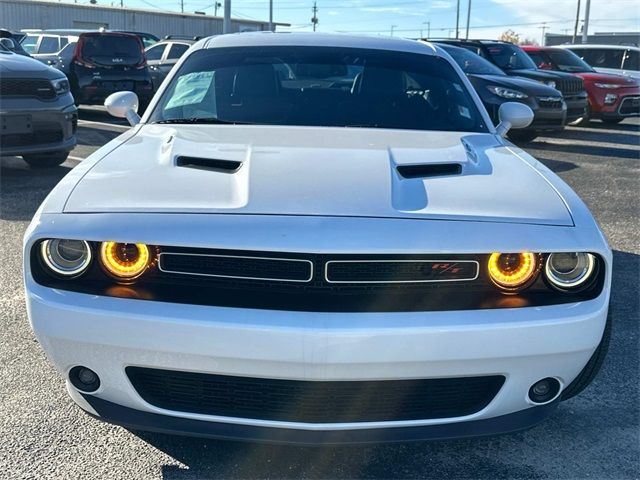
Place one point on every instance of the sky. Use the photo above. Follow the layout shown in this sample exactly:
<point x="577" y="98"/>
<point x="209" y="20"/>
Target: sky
<point x="489" y="18"/>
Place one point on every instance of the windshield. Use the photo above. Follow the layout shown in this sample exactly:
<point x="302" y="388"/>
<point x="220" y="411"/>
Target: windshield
<point x="567" y="61"/>
<point x="29" y="43"/>
<point x="471" y="63"/>
<point x="319" y="86"/>
<point x="112" y="49"/>
<point x="510" y="57"/>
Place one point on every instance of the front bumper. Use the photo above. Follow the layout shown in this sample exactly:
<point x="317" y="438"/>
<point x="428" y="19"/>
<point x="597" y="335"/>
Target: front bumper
<point x="53" y="129"/>
<point x="109" y="334"/>
<point x="576" y="107"/>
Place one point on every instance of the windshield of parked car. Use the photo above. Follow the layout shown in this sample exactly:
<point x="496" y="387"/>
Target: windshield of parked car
<point x="30" y="42"/>
<point x="471" y="63"/>
<point x="111" y="49"/>
<point x="319" y="86"/>
<point x="510" y="57"/>
<point x="567" y="61"/>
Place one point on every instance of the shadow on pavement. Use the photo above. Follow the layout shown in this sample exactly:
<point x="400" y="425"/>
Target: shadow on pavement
<point x="557" y="166"/>
<point x="594" y="150"/>
<point x="95" y="137"/>
<point x="507" y="456"/>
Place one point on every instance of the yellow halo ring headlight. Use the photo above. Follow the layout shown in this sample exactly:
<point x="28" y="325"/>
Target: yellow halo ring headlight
<point x="511" y="271"/>
<point x="125" y="261"/>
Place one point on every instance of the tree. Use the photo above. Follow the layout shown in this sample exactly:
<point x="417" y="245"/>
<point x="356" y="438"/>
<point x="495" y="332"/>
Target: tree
<point x="510" y="36"/>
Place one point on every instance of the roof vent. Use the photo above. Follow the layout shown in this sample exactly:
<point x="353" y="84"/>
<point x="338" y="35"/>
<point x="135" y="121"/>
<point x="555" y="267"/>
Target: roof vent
<point x="429" y="170"/>
<point x="216" y="165"/>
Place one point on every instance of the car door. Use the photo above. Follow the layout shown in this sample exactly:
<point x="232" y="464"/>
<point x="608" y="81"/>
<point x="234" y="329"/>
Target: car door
<point x="155" y="54"/>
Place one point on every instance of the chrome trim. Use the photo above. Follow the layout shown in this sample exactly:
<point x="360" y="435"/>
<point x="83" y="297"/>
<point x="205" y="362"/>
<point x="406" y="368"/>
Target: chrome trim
<point x="326" y="271"/>
<point x="634" y="114"/>
<point x="234" y="276"/>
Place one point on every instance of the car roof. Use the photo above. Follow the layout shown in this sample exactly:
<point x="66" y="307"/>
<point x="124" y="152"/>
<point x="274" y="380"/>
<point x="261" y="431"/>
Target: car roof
<point x="596" y="45"/>
<point x="251" y="39"/>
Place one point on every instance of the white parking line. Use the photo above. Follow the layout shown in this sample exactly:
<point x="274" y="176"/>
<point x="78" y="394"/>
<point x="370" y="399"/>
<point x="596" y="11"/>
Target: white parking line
<point x="77" y="159"/>
<point x="103" y="124"/>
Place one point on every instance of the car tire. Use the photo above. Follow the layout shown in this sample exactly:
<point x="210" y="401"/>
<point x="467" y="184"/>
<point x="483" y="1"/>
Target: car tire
<point x="46" y="160"/>
<point x="592" y="367"/>
<point x="612" y="121"/>
<point x="522" y="136"/>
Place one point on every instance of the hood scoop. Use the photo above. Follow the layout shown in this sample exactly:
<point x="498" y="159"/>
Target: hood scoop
<point x="213" y="164"/>
<point x="429" y="170"/>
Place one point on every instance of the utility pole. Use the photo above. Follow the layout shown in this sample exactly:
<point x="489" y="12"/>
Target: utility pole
<point x="314" y="19"/>
<point x="392" y="27"/>
<point x="457" y="19"/>
<point x="226" y="23"/>
<point x="585" y="29"/>
<point x="216" y="6"/>
<point x="271" y="15"/>
<point x="466" y="36"/>
<point x="182" y="6"/>
<point x="543" y="27"/>
<point x="428" y="24"/>
<point x="575" y="28"/>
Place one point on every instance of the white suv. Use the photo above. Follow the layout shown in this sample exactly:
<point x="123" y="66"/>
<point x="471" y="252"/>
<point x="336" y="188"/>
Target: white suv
<point x="617" y="59"/>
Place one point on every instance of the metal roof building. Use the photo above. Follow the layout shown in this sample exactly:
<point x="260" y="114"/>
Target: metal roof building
<point x="43" y="14"/>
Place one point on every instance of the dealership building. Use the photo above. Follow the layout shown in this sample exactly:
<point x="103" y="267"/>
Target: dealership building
<point x="43" y="14"/>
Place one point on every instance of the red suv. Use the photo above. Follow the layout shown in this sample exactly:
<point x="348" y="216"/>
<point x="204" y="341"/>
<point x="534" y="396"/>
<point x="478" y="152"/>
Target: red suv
<point x="612" y="98"/>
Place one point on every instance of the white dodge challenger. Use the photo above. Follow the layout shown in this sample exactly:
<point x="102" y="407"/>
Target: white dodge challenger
<point x="317" y="239"/>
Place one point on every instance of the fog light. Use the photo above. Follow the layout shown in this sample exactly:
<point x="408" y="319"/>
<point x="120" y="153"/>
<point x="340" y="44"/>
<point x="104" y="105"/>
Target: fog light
<point x="544" y="390"/>
<point x="610" y="98"/>
<point x="84" y="379"/>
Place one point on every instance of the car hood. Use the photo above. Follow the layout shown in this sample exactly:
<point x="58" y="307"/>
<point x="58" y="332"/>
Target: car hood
<point x="12" y="65"/>
<point x="608" y="78"/>
<point x="318" y="172"/>
<point x="526" y="85"/>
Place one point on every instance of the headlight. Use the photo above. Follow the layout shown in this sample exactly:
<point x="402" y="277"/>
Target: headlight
<point x="608" y="85"/>
<point x="125" y="261"/>
<point x="550" y="83"/>
<point x="506" y="92"/>
<point x="512" y="271"/>
<point x="69" y="258"/>
<point x="60" y="85"/>
<point x="569" y="270"/>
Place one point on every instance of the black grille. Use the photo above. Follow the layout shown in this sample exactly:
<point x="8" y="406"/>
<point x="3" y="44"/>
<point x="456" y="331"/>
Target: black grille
<point x="314" y="402"/>
<point x="630" y="106"/>
<point x="237" y="267"/>
<point x="550" y="102"/>
<point x="41" y="137"/>
<point x="393" y="271"/>
<point x="570" y="86"/>
<point x="23" y="87"/>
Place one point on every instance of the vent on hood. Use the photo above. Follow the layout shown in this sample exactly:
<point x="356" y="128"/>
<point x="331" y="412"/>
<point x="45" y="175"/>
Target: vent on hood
<point x="429" y="170"/>
<point x="227" y="166"/>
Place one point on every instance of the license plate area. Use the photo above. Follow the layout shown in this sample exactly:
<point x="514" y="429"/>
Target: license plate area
<point x="16" y="124"/>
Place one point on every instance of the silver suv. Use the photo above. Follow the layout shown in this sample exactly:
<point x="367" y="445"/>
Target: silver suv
<point x="38" y="118"/>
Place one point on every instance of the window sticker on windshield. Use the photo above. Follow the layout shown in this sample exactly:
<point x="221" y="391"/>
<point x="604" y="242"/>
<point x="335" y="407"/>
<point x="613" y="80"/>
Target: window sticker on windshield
<point x="190" y="89"/>
<point x="464" y="111"/>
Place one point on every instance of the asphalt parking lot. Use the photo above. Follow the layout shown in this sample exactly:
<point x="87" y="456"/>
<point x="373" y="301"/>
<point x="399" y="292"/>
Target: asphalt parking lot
<point x="596" y="435"/>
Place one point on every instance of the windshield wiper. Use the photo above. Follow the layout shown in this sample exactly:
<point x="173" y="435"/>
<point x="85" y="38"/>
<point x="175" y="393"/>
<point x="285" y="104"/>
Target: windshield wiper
<point x="209" y="120"/>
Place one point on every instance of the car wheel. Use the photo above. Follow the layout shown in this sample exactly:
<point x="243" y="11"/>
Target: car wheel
<point x="46" y="160"/>
<point x="612" y="121"/>
<point x="522" y="135"/>
<point x="592" y="367"/>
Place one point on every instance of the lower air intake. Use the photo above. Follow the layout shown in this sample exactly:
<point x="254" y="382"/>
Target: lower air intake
<point x="314" y="402"/>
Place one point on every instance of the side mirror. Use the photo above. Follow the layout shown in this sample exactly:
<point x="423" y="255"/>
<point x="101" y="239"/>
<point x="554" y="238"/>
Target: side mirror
<point x="8" y="43"/>
<point x="513" y="115"/>
<point x="123" y="105"/>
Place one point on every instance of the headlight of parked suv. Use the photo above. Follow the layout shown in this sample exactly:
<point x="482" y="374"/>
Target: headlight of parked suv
<point x="608" y="86"/>
<point x="60" y="85"/>
<point x="550" y="83"/>
<point x="506" y="92"/>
